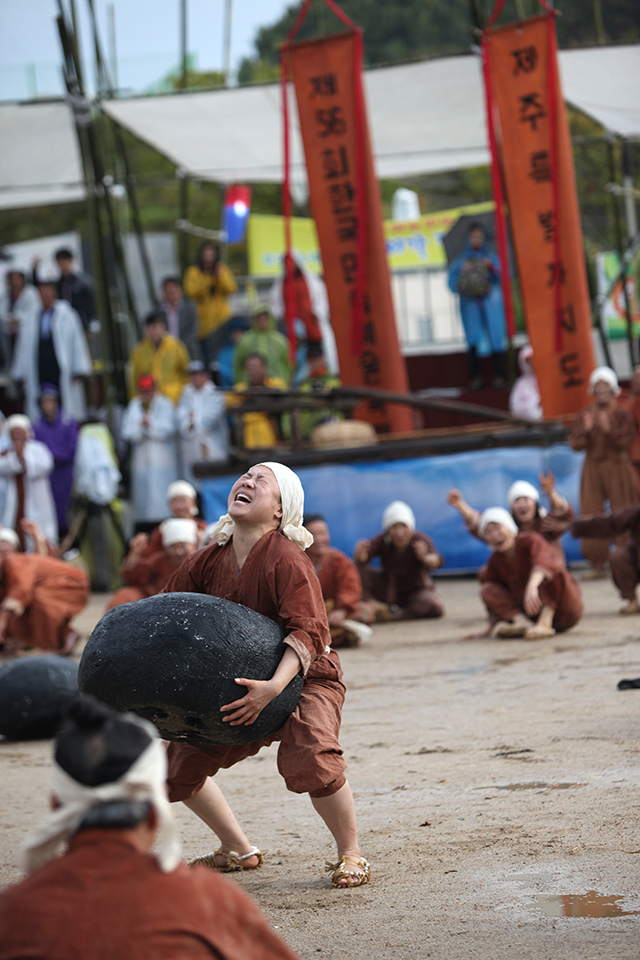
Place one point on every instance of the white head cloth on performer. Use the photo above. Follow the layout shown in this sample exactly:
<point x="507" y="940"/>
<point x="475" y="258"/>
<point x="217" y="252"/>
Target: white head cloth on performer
<point x="607" y="375"/>
<point x="177" y="530"/>
<point x="292" y="497"/>
<point x="143" y="781"/>
<point x="10" y="536"/>
<point x="497" y="515"/>
<point x="398" y="512"/>
<point x="522" y="488"/>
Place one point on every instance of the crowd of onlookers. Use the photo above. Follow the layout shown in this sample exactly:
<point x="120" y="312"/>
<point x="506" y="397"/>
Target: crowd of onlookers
<point x="186" y="375"/>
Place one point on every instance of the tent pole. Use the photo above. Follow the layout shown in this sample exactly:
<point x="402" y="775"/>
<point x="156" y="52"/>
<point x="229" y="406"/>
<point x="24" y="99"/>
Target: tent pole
<point x="184" y="64"/>
<point x="617" y="220"/>
<point x="122" y="152"/>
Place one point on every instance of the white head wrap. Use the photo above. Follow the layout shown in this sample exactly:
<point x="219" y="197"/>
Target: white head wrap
<point x="144" y="780"/>
<point x="177" y="530"/>
<point x="48" y="273"/>
<point x="398" y="512"/>
<point x="522" y="488"/>
<point x="606" y="374"/>
<point x="292" y="496"/>
<point x="498" y="515"/>
<point x="10" y="536"/>
<point x="18" y="267"/>
<point x="180" y="488"/>
<point x="19" y="420"/>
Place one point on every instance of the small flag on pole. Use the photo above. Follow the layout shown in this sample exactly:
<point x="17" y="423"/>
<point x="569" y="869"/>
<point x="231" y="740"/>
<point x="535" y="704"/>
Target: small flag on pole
<point x="237" y="205"/>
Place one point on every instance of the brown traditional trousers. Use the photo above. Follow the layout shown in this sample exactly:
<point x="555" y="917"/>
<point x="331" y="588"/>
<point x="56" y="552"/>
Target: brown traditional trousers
<point x="52" y="593"/>
<point x="607" y="473"/>
<point x="624" y="560"/>
<point x="505" y="579"/>
<point x="277" y="580"/>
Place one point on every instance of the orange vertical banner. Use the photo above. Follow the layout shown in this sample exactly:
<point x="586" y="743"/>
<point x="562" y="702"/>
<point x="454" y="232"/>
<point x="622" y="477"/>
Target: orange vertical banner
<point x="345" y="201"/>
<point x="523" y="88"/>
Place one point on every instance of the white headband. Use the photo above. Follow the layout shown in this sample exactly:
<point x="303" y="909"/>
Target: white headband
<point x="177" y="530"/>
<point x="10" y="536"/>
<point x="606" y="374"/>
<point x="398" y="512"/>
<point x="522" y="488"/>
<point x="180" y="488"/>
<point x="292" y="496"/>
<point x="18" y="420"/>
<point x="498" y="515"/>
<point x="144" y="780"/>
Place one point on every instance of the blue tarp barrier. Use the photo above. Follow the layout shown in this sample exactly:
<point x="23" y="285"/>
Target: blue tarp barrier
<point x="352" y="496"/>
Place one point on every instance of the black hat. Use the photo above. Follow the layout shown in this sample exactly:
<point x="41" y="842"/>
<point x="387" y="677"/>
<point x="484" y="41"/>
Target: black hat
<point x="96" y="745"/>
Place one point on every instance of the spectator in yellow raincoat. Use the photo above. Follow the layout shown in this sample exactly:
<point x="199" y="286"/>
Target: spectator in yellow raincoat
<point x="161" y="356"/>
<point x="260" y="429"/>
<point x="210" y="282"/>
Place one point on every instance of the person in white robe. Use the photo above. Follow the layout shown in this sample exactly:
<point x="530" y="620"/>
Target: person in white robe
<point x="202" y="421"/>
<point x="524" y="399"/>
<point x="19" y="303"/>
<point x="27" y="463"/>
<point x="149" y="426"/>
<point x="58" y="324"/>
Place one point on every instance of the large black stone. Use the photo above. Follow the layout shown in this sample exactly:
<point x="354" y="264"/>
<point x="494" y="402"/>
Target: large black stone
<point x="173" y="659"/>
<point x="35" y="693"/>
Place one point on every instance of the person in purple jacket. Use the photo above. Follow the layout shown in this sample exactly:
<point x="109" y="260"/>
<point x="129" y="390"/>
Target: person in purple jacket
<point x="60" y="434"/>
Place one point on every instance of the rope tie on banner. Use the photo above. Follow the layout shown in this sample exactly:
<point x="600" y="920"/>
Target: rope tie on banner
<point x="358" y="305"/>
<point x="496" y="168"/>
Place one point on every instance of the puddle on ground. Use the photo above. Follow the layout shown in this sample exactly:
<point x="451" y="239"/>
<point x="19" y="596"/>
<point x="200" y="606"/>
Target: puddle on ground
<point x="531" y="786"/>
<point x="466" y="670"/>
<point x="589" y="904"/>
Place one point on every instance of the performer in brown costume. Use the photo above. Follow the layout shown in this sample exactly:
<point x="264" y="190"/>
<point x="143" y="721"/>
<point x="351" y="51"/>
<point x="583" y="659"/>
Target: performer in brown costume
<point x="182" y="503"/>
<point x="631" y="400"/>
<point x="257" y="559"/>
<point x="340" y="584"/>
<point x="606" y="431"/>
<point x="526" y="588"/>
<point x="624" y="560"/>
<point x="107" y="896"/>
<point x="147" y="575"/>
<point x="403" y="590"/>
<point x="40" y="595"/>
<point x="524" y="503"/>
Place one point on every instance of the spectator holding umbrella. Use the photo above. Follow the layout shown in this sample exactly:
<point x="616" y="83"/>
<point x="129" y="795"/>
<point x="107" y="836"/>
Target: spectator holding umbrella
<point x="475" y="276"/>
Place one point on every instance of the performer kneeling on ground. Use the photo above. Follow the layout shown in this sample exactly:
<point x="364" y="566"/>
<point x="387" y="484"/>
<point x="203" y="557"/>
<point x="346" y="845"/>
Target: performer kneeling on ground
<point x="524" y="504"/>
<point x="183" y="504"/>
<point x="40" y="595"/>
<point x="107" y="895"/>
<point x="403" y="590"/>
<point x="257" y="559"/>
<point x="624" y="560"/>
<point x="340" y="584"/>
<point x="147" y="575"/>
<point x="526" y="588"/>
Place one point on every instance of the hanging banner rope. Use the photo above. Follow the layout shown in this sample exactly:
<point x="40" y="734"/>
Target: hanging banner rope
<point x="531" y="153"/>
<point x="327" y="78"/>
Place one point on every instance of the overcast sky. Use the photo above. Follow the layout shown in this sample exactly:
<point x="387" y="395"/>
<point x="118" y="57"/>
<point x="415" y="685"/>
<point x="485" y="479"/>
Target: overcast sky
<point x="147" y="39"/>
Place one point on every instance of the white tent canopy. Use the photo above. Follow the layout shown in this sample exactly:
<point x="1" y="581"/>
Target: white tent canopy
<point x="425" y="117"/>
<point x="40" y="158"/>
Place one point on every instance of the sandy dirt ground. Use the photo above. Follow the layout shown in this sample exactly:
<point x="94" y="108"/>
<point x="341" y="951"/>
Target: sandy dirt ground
<point x="495" y="781"/>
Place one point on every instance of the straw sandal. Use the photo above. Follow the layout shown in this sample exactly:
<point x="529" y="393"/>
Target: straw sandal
<point x="233" y="862"/>
<point x="340" y="870"/>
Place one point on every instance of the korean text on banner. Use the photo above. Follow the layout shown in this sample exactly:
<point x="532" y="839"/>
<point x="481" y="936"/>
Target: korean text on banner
<point x="328" y="85"/>
<point x="545" y="220"/>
